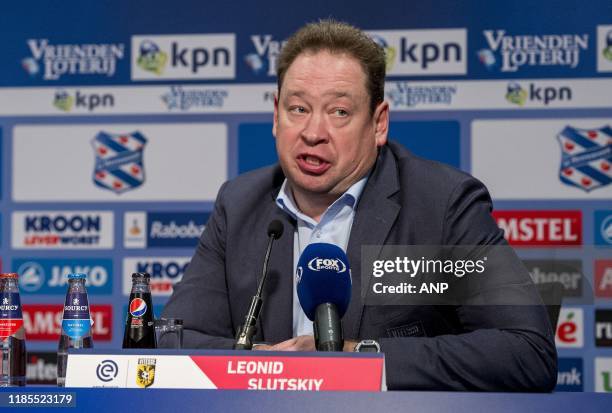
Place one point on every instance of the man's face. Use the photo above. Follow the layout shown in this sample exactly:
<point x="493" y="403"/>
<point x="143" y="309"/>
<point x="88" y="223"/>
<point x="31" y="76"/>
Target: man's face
<point x="326" y="137"/>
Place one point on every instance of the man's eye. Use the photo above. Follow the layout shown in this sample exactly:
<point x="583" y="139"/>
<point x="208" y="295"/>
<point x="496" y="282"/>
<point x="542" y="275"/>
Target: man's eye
<point x="340" y="112"/>
<point x="297" y="109"/>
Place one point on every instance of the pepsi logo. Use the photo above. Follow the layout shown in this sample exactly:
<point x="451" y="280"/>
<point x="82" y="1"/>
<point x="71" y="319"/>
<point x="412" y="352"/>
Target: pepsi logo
<point x="138" y="307"/>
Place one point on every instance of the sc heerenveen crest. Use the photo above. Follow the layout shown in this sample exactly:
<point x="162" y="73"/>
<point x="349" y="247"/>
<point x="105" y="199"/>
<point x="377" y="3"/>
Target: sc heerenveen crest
<point x="145" y="372"/>
<point x="119" y="161"/>
<point x="586" y="157"/>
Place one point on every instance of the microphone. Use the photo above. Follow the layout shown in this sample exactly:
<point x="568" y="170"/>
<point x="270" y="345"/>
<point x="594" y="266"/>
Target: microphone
<point x="249" y="328"/>
<point x="324" y="290"/>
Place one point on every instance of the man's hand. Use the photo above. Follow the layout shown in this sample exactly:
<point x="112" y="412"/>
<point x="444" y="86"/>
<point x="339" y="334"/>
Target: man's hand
<point x="301" y="343"/>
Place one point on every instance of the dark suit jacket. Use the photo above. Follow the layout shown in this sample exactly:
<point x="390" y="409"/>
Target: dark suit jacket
<point x="407" y="200"/>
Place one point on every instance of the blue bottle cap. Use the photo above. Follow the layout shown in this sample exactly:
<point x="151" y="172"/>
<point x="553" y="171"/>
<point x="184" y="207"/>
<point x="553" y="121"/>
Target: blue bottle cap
<point x="77" y="276"/>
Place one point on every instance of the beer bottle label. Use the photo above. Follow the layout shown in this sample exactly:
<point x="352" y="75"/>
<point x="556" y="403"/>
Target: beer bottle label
<point x="76" y="322"/>
<point x="11" y="320"/>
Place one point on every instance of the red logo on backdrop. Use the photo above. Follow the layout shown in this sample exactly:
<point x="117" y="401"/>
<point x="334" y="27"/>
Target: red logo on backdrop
<point x="541" y="228"/>
<point x="603" y="278"/>
<point x="43" y="322"/>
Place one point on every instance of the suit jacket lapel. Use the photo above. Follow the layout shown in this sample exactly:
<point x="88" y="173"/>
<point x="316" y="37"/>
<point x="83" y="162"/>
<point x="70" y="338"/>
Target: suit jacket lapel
<point x="374" y="218"/>
<point x="276" y="321"/>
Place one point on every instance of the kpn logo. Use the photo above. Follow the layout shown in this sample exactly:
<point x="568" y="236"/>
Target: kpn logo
<point x="82" y="101"/>
<point x="535" y="94"/>
<point x="194" y="56"/>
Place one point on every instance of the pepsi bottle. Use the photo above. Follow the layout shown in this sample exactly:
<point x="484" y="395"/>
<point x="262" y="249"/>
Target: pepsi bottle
<point x="140" y="324"/>
<point x="12" y="333"/>
<point x="76" y="323"/>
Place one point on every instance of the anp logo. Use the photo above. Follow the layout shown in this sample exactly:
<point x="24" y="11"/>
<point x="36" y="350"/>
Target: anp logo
<point x="586" y="157"/>
<point x="119" y="161"/>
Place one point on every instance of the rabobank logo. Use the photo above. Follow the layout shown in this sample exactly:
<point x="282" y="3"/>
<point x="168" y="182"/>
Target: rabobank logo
<point x="163" y="229"/>
<point x="81" y="101"/>
<point x="604" y="48"/>
<point x="197" y="56"/>
<point x="507" y="52"/>
<point x="603" y="228"/>
<point x="50" y="276"/>
<point x="423" y="52"/>
<point x="570" y="375"/>
<point x="53" y="61"/>
<point x="165" y="272"/>
<point x="329" y="264"/>
<point x="62" y="229"/>
<point x="262" y="58"/>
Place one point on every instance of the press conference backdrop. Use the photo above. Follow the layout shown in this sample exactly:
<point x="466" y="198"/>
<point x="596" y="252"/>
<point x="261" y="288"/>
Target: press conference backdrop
<point x="119" y="121"/>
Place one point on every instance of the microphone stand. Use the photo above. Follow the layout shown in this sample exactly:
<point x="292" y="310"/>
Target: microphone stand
<point x="249" y="328"/>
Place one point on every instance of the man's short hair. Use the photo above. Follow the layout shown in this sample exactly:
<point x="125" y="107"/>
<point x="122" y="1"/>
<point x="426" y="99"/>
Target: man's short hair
<point x="338" y="37"/>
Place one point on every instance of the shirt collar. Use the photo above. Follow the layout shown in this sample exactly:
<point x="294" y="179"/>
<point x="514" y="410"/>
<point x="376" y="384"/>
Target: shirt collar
<point x="286" y="202"/>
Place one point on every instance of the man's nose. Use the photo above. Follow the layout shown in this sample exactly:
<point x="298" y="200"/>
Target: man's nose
<point x="315" y="130"/>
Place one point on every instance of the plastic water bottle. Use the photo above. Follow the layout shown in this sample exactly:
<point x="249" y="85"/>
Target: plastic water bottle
<point x="12" y="333"/>
<point x="76" y="323"/>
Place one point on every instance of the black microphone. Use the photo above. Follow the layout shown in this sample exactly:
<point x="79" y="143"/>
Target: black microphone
<point x="249" y="328"/>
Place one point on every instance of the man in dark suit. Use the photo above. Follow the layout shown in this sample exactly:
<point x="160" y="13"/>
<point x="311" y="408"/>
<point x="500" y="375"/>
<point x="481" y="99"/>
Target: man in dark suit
<point x="339" y="178"/>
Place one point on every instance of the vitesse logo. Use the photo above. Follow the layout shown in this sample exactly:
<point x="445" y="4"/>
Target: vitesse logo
<point x="145" y="372"/>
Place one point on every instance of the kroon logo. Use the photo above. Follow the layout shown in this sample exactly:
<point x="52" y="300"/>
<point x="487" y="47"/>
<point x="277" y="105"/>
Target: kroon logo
<point x="333" y="264"/>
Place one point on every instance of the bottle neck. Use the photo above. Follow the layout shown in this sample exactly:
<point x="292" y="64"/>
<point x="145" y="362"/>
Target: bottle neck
<point x="9" y="285"/>
<point x="76" y="285"/>
<point x="141" y="287"/>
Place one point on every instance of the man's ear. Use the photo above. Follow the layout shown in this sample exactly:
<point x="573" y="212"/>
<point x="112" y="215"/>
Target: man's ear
<point x="381" y="123"/>
<point x="275" y="114"/>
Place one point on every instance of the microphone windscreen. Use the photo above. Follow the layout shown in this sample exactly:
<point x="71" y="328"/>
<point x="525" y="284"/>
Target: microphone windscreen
<point x="323" y="276"/>
<point x="275" y="229"/>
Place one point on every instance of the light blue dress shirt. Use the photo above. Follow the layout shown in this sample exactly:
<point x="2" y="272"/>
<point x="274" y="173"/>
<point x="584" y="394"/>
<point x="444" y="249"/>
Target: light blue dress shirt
<point x="334" y="228"/>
